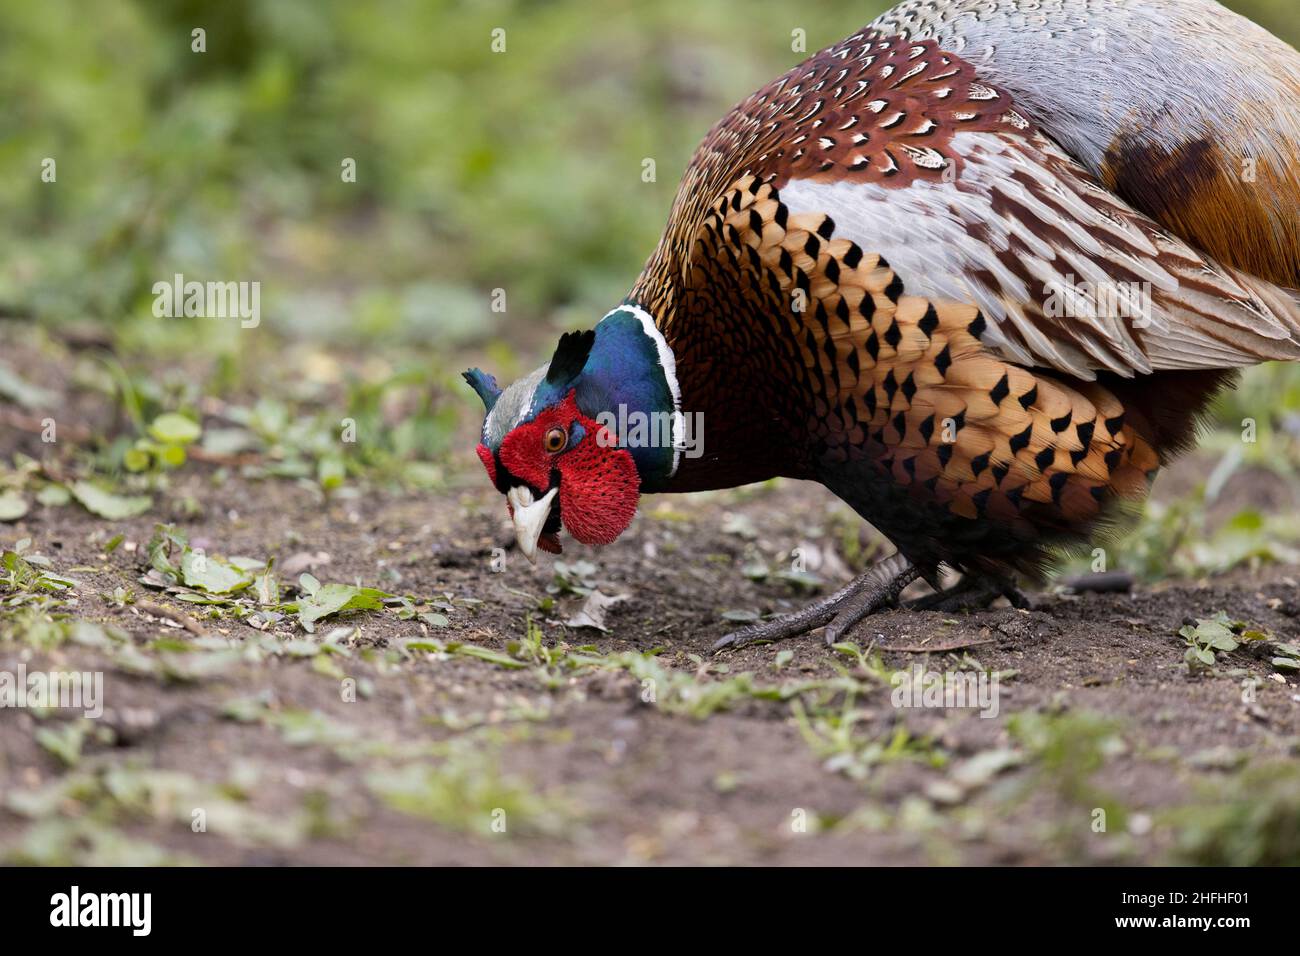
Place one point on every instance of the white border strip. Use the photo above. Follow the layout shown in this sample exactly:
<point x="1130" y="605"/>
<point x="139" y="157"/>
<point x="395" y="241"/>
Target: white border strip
<point x="667" y="362"/>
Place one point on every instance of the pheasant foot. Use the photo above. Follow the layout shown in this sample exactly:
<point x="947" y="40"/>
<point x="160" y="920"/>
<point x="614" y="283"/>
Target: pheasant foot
<point x="971" y="593"/>
<point x="877" y="587"/>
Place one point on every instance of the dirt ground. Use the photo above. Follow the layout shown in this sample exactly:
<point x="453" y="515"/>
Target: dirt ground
<point x="436" y="737"/>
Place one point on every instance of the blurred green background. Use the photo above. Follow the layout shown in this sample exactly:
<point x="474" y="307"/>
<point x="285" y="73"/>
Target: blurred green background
<point x="475" y="170"/>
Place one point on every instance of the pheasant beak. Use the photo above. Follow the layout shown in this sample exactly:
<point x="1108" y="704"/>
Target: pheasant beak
<point x="529" y="517"/>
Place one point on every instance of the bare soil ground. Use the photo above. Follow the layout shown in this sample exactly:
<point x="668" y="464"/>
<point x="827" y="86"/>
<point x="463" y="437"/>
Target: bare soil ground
<point x="407" y="740"/>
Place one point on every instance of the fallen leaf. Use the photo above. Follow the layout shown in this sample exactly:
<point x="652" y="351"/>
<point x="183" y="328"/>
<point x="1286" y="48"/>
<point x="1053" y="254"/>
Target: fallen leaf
<point x="296" y="564"/>
<point x="593" y="611"/>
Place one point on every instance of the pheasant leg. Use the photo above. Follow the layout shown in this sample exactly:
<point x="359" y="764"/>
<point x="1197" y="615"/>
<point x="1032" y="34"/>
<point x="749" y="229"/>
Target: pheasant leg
<point x="877" y="587"/>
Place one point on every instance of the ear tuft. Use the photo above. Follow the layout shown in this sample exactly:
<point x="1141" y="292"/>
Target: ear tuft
<point x="484" y="385"/>
<point x="570" y="357"/>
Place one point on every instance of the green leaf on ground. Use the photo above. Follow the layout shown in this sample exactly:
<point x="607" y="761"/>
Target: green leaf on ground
<point x="174" y="429"/>
<point x="108" y="505"/>
<point x="211" y="574"/>
<point x="334" y="599"/>
<point x="1212" y="634"/>
<point x="53" y="496"/>
<point x="1207" y="636"/>
<point x="485" y="654"/>
<point x="64" y="741"/>
<point x="24" y="393"/>
<point x="12" y="506"/>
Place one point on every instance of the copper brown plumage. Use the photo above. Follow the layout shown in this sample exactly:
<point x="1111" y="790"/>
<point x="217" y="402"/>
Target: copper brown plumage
<point x="884" y="273"/>
<point x="900" y="391"/>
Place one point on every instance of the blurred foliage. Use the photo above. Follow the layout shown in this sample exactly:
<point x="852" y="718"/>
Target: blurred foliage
<point x="1251" y="819"/>
<point x="476" y="170"/>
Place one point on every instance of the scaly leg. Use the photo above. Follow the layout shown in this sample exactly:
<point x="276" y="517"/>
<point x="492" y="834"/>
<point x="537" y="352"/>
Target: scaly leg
<point x="971" y="593"/>
<point x="870" y="591"/>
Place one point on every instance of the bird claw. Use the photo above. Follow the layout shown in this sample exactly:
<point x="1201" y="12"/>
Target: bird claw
<point x="970" y="594"/>
<point x="876" y="588"/>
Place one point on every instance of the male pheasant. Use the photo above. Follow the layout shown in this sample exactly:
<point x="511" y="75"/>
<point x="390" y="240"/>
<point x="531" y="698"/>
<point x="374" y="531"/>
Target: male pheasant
<point x="977" y="269"/>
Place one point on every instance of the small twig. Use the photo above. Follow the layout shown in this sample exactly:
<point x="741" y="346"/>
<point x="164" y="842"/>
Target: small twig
<point x="936" y="648"/>
<point x="198" y="453"/>
<point x="14" y="418"/>
<point x="184" y="620"/>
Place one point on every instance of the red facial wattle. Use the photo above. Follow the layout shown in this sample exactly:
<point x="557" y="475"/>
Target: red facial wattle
<point x="599" y="486"/>
<point x="485" y="456"/>
<point x="599" y="490"/>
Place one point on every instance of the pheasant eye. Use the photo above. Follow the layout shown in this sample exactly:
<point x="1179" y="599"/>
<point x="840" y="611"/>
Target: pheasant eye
<point x="555" y="440"/>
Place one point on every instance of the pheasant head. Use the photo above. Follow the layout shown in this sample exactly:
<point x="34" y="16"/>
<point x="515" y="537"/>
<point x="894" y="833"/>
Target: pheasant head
<point x="560" y="443"/>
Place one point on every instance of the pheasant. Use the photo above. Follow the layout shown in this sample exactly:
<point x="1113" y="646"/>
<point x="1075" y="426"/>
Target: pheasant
<point x="978" y="269"/>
